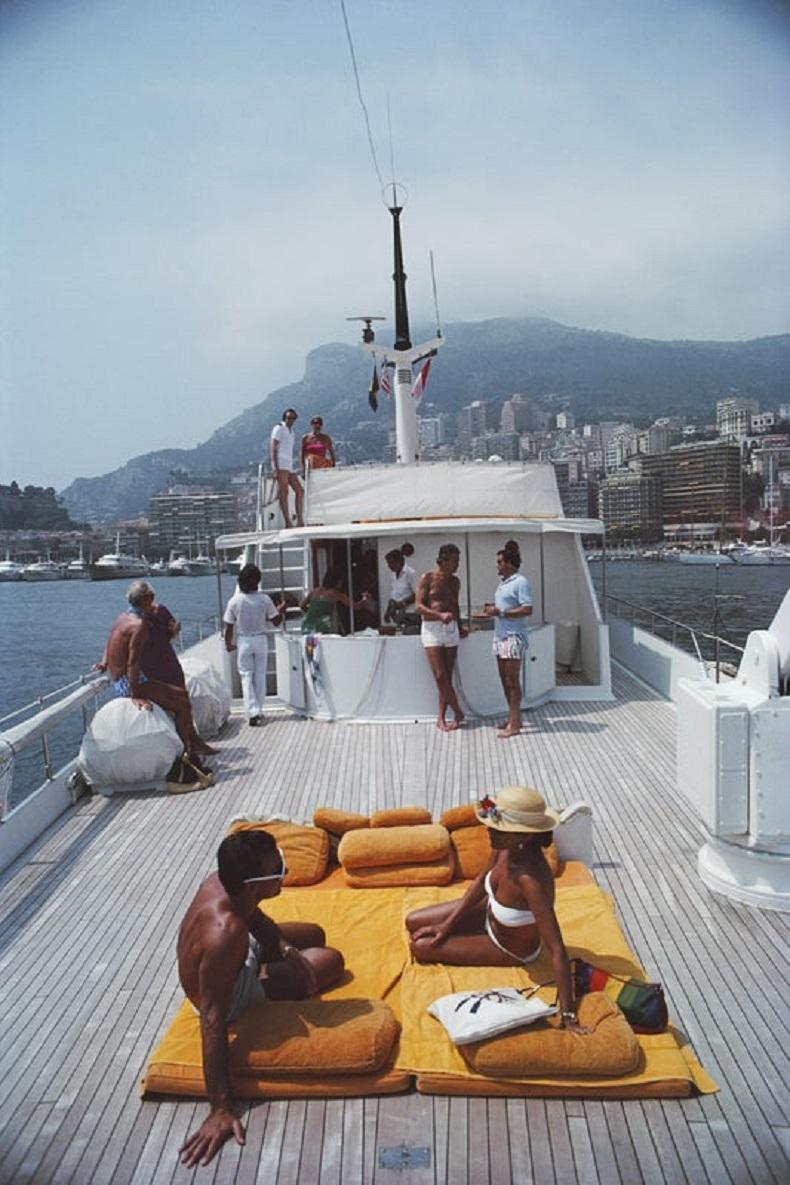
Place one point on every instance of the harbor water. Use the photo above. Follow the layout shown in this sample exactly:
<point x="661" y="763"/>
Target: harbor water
<point x="53" y="632"/>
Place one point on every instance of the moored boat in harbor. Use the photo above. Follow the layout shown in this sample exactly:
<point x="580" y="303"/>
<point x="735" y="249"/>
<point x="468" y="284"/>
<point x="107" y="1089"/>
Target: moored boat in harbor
<point x="115" y="565"/>
<point x="42" y="570"/>
<point x="10" y="570"/>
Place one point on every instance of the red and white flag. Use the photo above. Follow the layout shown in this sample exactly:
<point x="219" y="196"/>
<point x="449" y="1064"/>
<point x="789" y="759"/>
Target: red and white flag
<point x="421" y="382"/>
<point x="386" y="384"/>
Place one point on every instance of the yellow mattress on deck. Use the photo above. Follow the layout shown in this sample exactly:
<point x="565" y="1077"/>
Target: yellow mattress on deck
<point x="367" y="926"/>
<point x="668" y="1067"/>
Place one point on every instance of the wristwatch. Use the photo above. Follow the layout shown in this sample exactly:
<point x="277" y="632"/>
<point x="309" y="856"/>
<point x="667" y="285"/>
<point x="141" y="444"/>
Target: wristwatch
<point x="569" y="1017"/>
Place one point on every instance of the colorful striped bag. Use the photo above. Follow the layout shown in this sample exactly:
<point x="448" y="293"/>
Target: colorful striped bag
<point x="642" y="1003"/>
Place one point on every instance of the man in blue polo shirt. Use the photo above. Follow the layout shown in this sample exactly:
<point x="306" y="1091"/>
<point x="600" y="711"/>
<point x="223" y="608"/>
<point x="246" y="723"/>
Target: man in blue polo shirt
<point x="510" y="610"/>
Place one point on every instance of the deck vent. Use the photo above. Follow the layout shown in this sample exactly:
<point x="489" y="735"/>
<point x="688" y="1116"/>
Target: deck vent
<point x="405" y="1156"/>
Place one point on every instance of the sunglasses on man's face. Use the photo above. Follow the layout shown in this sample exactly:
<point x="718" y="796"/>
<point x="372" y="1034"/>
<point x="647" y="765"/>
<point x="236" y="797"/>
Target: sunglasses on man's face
<point x="274" y="876"/>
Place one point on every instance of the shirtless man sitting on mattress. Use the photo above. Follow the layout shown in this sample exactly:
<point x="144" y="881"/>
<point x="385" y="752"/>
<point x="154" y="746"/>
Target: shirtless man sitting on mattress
<point x="230" y="956"/>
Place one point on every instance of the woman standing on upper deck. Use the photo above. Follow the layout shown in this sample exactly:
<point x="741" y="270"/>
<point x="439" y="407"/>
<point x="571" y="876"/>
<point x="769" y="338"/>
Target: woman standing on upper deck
<point x="318" y="451"/>
<point x="506" y="916"/>
<point x="510" y="610"/>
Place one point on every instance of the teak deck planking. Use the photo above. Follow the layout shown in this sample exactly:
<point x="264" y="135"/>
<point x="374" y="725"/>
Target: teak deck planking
<point x="88" y="982"/>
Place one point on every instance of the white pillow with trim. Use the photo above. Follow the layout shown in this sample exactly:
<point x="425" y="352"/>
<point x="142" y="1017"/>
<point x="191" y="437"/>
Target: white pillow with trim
<point x="475" y="1016"/>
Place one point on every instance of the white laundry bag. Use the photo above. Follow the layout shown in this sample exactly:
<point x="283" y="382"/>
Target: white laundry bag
<point x="126" y="745"/>
<point x="208" y="695"/>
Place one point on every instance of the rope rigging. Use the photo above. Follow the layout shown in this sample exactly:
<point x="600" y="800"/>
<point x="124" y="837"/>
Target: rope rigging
<point x="360" y="95"/>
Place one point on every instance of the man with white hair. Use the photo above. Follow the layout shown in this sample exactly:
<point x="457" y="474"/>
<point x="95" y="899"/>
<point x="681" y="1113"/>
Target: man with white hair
<point x="122" y="661"/>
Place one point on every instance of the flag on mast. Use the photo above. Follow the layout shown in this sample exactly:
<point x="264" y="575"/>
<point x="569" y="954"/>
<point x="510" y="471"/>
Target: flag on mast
<point x="373" y="389"/>
<point x="421" y="382"/>
<point x="386" y="384"/>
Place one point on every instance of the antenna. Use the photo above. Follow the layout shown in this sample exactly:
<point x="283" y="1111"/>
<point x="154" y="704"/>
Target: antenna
<point x="435" y="297"/>
<point x="368" y="335"/>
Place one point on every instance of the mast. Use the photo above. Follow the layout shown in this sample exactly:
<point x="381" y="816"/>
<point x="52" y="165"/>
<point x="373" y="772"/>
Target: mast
<point x="403" y="355"/>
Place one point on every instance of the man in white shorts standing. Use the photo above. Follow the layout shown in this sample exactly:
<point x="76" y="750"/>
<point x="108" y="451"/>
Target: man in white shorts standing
<point x="437" y="604"/>
<point x="281" y="448"/>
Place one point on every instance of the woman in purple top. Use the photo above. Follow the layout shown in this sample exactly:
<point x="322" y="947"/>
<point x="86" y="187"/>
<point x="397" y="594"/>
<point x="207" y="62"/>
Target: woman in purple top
<point x="159" y="660"/>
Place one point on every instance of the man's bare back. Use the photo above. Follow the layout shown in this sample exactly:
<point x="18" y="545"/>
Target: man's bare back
<point x="210" y="929"/>
<point x="124" y="647"/>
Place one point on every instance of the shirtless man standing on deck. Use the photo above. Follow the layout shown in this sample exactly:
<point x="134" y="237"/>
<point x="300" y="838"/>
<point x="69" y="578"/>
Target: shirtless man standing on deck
<point x="231" y="956"/>
<point x="121" y="659"/>
<point x="436" y="601"/>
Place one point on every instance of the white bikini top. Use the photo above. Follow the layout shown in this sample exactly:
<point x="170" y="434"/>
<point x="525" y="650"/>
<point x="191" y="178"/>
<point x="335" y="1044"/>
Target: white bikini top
<point x="505" y="914"/>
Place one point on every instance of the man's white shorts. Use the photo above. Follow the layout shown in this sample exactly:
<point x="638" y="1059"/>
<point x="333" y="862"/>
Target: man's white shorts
<point x="436" y="633"/>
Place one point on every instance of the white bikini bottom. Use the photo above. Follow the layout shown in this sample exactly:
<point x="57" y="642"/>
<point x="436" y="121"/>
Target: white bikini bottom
<point x="523" y="959"/>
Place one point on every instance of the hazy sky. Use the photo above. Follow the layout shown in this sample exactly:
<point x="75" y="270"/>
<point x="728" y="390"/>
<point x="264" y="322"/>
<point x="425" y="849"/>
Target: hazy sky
<point x="189" y="203"/>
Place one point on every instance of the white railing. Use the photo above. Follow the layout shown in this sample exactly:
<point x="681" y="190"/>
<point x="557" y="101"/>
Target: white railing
<point x="35" y="730"/>
<point x="677" y="632"/>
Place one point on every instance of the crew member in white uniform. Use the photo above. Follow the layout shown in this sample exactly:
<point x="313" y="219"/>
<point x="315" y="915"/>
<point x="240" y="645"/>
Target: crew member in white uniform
<point x="404" y="587"/>
<point x="254" y="615"/>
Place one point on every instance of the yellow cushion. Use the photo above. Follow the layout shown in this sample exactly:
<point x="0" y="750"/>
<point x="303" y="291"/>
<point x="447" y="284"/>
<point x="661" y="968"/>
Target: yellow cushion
<point x="473" y="851"/>
<point x="279" y="1044"/>
<point x="460" y="816"/>
<point x="546" y="1049"/>
<point x="338" y="822"/>
<point x="314" y="1037"/>
<point x="403" y="816"/>
<point x="438" y="872"/>
<point x="306" y="849"/>
<point x="377" y="848"/>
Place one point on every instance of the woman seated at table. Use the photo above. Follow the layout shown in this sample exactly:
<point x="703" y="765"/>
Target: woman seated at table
<point x="506" y="916"/>
<point x="320" y="606"/>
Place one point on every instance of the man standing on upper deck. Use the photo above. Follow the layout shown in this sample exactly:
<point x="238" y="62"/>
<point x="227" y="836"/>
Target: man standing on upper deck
<point x="437" y="605"/>
<point x="281" y="449"/>
<point x="231" y="956"/>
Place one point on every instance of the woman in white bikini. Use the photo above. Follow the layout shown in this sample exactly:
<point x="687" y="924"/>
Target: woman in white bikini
<point x="506" y="916"/>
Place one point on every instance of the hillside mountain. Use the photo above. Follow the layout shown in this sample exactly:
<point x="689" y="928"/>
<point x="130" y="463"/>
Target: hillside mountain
<point x="599" y="376"/>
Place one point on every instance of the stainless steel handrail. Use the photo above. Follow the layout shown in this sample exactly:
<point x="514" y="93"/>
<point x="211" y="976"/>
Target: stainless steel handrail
<point x="694" y="634"/>
<point x="21" y="736"/>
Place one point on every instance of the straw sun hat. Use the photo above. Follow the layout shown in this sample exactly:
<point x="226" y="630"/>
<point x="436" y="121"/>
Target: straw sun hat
<point x="517" y="808"/>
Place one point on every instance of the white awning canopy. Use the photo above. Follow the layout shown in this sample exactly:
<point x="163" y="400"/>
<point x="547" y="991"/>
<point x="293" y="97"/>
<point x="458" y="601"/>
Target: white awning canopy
<point x="366" y="529"/>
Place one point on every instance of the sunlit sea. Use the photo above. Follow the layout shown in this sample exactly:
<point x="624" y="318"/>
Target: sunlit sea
<point x="52" y="633"/>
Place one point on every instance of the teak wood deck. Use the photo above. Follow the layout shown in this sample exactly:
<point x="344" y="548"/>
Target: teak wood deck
<point x="88" y="921"/>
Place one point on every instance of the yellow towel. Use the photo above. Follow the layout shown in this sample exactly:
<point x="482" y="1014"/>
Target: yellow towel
<point x="591" y="931"/>
<point x="369" y="929"/>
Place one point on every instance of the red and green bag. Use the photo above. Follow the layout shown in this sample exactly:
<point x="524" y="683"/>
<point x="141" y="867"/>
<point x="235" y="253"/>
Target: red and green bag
<point x="642" y="1003"/>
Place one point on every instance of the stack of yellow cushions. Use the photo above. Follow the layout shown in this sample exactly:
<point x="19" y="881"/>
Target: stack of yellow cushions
<point x="402" y="848"/>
